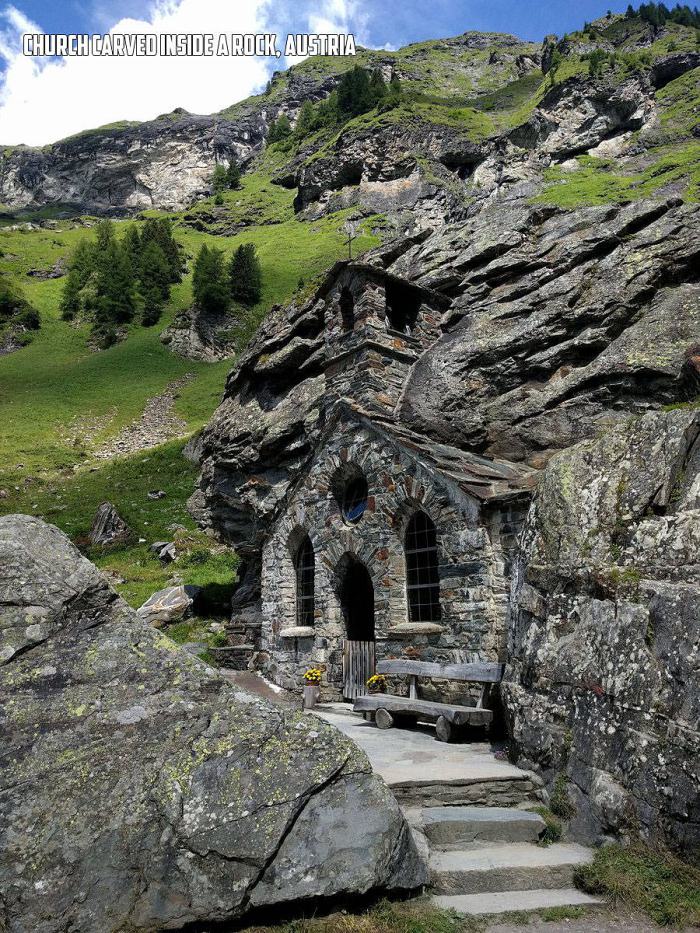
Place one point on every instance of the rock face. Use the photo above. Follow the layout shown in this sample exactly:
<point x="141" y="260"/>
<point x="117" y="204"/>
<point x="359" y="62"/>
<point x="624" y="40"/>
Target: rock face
<point x="197" y="335"/>
<point x="562" y="324"/>
<point x="602" y="691"/>
<point x="140" y="790"/>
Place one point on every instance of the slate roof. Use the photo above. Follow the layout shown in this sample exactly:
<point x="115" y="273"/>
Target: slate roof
<point x="484" y="478"/>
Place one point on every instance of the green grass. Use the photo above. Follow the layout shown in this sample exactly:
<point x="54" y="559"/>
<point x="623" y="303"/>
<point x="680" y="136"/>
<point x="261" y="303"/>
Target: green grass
<point x="70" y="501"/>
<point x="644" y="879"/>
<point x="56" y="384"/>
<point x="600" y="181"/>
<point x="416" y="916"/>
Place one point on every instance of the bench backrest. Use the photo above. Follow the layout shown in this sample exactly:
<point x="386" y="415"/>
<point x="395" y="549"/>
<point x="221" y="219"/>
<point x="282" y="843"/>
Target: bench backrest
<point x="481" y="672"/>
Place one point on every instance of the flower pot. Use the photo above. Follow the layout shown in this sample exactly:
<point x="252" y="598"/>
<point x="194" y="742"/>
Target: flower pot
<point x="311" y="695"/>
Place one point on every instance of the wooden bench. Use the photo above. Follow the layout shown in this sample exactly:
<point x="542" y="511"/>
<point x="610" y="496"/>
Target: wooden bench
<point x="387" y="710"/>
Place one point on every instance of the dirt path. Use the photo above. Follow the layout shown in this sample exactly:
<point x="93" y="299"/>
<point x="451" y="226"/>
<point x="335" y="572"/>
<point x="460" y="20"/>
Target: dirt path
<point x="157" y="424"/>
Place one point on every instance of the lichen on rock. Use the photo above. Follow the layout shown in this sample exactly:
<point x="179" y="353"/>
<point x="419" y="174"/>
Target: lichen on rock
<point x="140" y="790"/>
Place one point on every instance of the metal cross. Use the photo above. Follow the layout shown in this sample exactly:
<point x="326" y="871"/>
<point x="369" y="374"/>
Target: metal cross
<point x="351" y="231"/>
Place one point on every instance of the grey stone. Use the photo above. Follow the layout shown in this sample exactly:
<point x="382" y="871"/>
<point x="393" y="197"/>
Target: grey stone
<point x="453" y="826"/>
<point x="517" y="866"/>
<point x="108" y="527"/>
<point x="602" y="687"/>
<point x="139" y="790"/>
<point x="501" y="902"/>
<point x="173" y="604"/>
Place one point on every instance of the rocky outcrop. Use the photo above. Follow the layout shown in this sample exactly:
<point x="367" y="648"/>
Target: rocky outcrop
<point x="167" y="162"/>
<point x="602" y="690"/>
<point x="199" y="335"/>
<point x="563" y="322"/>
<point x="139" y="790"/>
<point x="444" y="173"/>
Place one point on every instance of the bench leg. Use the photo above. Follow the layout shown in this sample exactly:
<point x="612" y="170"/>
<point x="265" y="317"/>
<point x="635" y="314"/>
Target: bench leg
<point x="368" y="715"/>
<point x="383" y="719"/>
<point x="443" y="730"/>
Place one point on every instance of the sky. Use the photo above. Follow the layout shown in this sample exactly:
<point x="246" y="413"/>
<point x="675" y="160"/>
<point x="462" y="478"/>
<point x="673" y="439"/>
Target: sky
<point x="42" y="100"/>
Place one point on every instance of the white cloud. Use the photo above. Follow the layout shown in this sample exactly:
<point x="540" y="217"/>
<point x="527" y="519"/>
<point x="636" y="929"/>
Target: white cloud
<point x="42" y="100"/>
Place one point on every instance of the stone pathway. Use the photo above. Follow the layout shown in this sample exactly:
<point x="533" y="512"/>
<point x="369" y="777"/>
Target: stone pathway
<point x="471" y="817"/>
<point x="157" y="424"/>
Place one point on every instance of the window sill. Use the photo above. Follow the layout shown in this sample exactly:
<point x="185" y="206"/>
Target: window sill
<point x="298" y="631"/>
<point x="407" y="629"/>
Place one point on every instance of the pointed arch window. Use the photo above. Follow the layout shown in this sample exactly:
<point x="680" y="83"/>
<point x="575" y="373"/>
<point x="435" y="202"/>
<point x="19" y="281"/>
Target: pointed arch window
<point x="304" y="565"/>
<point x="422" y="578"/>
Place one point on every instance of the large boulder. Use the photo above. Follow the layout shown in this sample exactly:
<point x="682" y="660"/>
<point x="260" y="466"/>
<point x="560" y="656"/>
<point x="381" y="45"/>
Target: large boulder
<point x="141" y="791"/>
<point x="602" y="690"/>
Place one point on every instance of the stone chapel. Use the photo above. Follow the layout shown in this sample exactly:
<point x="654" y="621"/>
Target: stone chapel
<point x="390" y="544"/>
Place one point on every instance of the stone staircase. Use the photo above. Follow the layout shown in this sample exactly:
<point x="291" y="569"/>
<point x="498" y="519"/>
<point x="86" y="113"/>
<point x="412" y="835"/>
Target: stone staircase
<point x="487" y="860"/>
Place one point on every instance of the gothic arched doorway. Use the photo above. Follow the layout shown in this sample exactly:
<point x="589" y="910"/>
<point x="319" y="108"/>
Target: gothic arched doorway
<point x="356" y="594"/>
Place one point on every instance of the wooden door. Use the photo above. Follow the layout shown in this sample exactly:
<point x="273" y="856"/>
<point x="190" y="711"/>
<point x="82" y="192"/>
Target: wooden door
<point x="358" y="667"/>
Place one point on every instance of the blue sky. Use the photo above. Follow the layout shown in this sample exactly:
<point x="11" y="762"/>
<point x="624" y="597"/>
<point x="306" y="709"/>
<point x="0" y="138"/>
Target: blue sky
<point x="43" y="100"/>
<point x="406" y="22"/>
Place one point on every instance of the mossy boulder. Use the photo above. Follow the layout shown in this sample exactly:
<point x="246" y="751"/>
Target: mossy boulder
<point x="140" y="790"/>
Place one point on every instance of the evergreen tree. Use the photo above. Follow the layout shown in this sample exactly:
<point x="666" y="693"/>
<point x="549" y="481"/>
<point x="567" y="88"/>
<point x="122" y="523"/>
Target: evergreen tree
<point x="233" y="175"/>
<point x="554" y="66"/>
<point x="218" y="179"/>
<point x="83" y="261"/>
<point x="132" y="245"/>
<point x="354" y="92"/>
<point x="306" y="120"/>
<point x="280" y="129"/>
<point x="377" y="87"/>
<point x="160" y="231"/>
<point x="154" y="271"/>
<point x="71" y="302"/>
<point x="115" y="289"/>
<point x="245" y="275"/>
<point x="209" y="281"/>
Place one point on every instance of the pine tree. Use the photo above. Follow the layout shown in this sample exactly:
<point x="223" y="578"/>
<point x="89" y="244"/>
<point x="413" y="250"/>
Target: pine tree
<point x="245" y="275"/>
<point x="233" y="175"/>
<point x="115" y="289"/>
<point x="131" y="244"/>
<point x="83" y="260"/>
<point x="160" y="231"/>
<point x="305" y="120"/>
<point x="71" y="303"/>
<point x="154" y="270"/>
<point x="354" y="92"/>
<point x="218" y="179"/>
<point x="209" y="281"/>
<point x="280" y="129"/>
<point x="377" y="87"/>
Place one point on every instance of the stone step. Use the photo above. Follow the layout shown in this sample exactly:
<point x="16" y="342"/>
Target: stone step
<point x="452" y="827"/>
<point x="515" y="866"/>
<point x="510" y="791"/>
<point x="501" y="902"/>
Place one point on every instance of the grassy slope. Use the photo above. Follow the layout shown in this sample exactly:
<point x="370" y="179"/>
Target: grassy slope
<point x="671" y="156"/>
<point x="59" y="399"/>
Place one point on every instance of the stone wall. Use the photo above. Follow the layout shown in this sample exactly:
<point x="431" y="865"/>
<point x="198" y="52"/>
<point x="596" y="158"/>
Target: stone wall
<point x="472" y="563"/>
